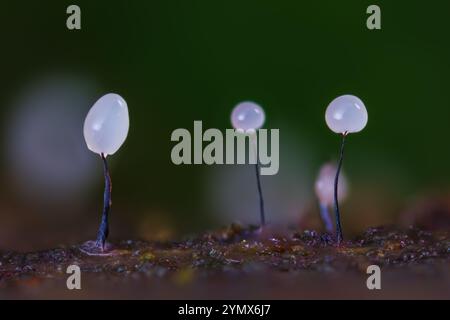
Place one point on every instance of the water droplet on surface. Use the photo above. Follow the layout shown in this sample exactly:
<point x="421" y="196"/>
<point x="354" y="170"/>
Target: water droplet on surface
<point x="346" y="113"/>
<point x="324" y="185"/>
<point x="247" y="115"/>
<point x="106" y="125"/>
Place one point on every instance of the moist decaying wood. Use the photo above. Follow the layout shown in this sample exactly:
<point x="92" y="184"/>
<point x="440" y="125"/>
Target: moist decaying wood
<point x="239" y="262"/>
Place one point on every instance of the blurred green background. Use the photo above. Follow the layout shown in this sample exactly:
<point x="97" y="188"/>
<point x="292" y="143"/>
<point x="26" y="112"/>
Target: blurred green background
<point x="179" y="61"/>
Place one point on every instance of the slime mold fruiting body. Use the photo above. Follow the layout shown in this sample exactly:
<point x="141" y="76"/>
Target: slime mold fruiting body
<point x="249" y="117"/>
<point x="105" y="130"/>
<point x="345" y="114"/>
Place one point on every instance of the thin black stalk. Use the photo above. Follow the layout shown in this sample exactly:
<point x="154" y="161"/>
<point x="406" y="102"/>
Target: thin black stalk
<point x="336" y="182"/>
<point x="261" y="200"/>
<point x="103" y="231"/>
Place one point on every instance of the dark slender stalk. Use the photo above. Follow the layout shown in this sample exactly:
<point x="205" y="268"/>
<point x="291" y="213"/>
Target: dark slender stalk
<point x="103" y="231"/>
<point x="261" y="200"/>
<point x="336" y="182"/>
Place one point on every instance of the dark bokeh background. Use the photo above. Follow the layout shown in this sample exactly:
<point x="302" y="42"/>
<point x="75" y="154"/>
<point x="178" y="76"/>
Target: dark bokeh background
<point x="179" y="61"/>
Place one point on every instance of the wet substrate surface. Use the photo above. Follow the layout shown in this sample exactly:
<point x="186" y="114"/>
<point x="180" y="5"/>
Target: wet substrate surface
<point x="241" y="263"/>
